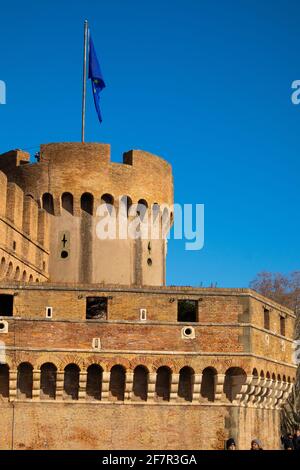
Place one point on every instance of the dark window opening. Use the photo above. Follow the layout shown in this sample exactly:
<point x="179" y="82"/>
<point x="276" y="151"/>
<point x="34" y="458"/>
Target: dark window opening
<point x="94" y="382"/>
<point x="6" y="305"/>
<point x="282" y="326"/>
<point x="4" y="381"/>
<point x="64" y="254"/>
<point x="96" y="308"/>
<point x="187" y="310"/>
<point x="163" y="383"/>
<point x="14" y="246"/>
<point x="48" y="203"/>
<point x="87" y="203"/>
<point x="266" y="319"/>
<point x="71" y="382"/>
<point x="48" y="381"/>
<point x="67" y="202"/>
<point x="117" y="383"/>
<point x="24" y="380"/>
<point x="207" y="390"/>
<point x="185" y="386"/>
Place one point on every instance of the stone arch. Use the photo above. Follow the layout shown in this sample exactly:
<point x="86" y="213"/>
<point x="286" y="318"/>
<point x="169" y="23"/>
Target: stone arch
<point x="141" y="361"/>
<point x="117" y="383"/>
<point x="24" y="276"/>
<point x="47" y="359"/>
<point x="71" y="360"/>
<point x="119" y="361"/>
<point x="71" y="382"/>
<point x="273" y="376"/>
<point x="140" y="383"/>
<point x="48" y="381"/>
<point x="207" y="390"/>
<point x="235" y="378"/>
<point x="94" y="382"/>
<point x="255" y="373"/>
<point x="164" y="362"/>
<point x="24" y="380"/>
<point x="185" y="386"/>
<point x="279" y="377"/>
<point x="48" y="203"/>
<point x="67" y="202"/>
<point x="31" y="278"/>
<point x="163" y="383"/>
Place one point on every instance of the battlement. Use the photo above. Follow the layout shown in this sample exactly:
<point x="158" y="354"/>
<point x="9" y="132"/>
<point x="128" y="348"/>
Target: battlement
<point x="70" y="181"/>
<point x="87" y="168"/>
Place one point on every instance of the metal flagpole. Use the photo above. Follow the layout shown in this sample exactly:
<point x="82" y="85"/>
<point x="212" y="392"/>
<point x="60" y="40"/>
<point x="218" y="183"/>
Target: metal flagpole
<point x="84" y="79"/>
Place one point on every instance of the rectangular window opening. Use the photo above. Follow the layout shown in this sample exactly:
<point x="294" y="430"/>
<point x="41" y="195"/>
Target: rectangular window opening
<point x="96" y="308"/>
<point x="187" y="310"/>
<point x="6" y="305"/>
<point x="282" y="326"/>
<point x="266" y="319"/>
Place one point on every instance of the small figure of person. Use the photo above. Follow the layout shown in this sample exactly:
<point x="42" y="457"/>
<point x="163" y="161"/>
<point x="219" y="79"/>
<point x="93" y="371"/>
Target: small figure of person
<point x="287" y="442"/>
<point x="230" y="444"/>
<point x="296" y="439"/>
<point x="256" y="444"/>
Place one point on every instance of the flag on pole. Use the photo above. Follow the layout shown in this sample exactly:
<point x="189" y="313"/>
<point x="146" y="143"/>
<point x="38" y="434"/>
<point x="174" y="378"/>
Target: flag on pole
<point x="96" y="76"/>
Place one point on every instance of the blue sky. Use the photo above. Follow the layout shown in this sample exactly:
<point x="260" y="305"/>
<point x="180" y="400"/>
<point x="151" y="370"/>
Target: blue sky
<point x="205" y="84"/>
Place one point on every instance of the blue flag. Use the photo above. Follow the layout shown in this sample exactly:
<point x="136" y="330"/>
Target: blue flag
<point x="96" y="77"/>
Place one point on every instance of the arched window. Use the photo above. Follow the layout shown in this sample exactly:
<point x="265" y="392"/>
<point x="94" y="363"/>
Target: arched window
<point x="24" y="380"/>
<point x="67" y="202"/>
<point x="4" y="381"/>
<point x="2" y="267"/>
<point x="31" y="278"/>
<point x="185" y="387"/>
<point x="71" y="382"/>
<point x="163" y="384"/>
<point x="142" y="209"/>
<point x="24" y="276"/>
<point x="125" y="204"/>
<point x="108" y="200"/>
<point x="117" y="383"/>
<point x="17" y="274"/>
<point x="140" y="383"/>
<point x="94" y="382"/>
<point x="48" y="381"/>
<point x="9" y="270"/>
<point x="208" y="384"/>
<point x="47" y="203"/>
<point x="87" y="203"/>
<point x="235" y="377"/>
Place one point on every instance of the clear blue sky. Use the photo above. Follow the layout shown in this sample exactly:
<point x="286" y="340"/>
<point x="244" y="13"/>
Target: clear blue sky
<point x="204" y="83"/>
